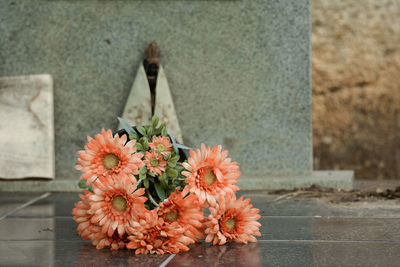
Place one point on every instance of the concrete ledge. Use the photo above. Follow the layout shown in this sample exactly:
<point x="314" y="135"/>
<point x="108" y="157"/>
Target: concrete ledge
<point x="59" y="185"/>
<point x="338" y="179"/>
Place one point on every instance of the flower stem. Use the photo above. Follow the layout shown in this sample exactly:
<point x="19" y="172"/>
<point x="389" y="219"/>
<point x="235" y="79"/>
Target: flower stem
<point x="152" y="200"/>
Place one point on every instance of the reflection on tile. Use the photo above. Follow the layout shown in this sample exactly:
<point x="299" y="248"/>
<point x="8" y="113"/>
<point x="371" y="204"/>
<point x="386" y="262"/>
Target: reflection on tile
<point x="286" y="253"/>
<point x="27" y="253"/>
<point x="265" y="253"/>
<point x="285" y="207"/>
<point x="66" y="253"/>
<point x="286" y="228"/>
<point x="231" y="254"/>
<point x="52" y="228"/>
<point x="66" y="229"/>
<point x="44" y="234"/>
<point x="387" y="229"/>
<point x="356" y="254"/>
<point x="63" y="204"/>
<point x="90" y="256"/>
<point x="10" y="201"/>
<point x="300" y="253"/>
<point x="315" y="207"/>
<point x="36" y="210"/>
<point x="22" y="229"/>
<point x="342" y="228"/>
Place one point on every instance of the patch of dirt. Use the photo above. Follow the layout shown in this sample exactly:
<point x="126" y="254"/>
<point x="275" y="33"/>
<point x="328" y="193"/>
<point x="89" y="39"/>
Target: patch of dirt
<point x="334" y="195"/>
<point x="356" y="89"/>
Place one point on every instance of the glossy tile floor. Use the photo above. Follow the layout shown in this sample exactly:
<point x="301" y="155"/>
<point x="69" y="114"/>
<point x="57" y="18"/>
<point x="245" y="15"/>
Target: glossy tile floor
<point x="38" y="230"/>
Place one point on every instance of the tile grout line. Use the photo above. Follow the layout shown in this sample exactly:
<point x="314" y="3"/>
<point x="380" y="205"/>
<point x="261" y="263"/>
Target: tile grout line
<point x="326" y="241"/>
<point x="25" y="205"/>
<point x="164" y="263"/>
<point x="329" y="217"/>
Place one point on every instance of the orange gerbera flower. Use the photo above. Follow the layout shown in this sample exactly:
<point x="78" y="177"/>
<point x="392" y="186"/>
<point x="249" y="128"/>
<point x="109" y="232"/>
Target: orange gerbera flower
<point x="210" y="174"/>
<point x="106" y="156"/>
<point x="82" y="216"/>
<point x="155" y="162"/>
<point x="115" y="203"/>
<point x="233" y="220"/>
<point x="101" y="240"/>
<point x="151" y="235"/>
<point x="161" y="144"/>
<point x="187" y="212"/>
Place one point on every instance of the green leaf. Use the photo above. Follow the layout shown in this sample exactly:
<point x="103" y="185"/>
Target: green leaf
<point x="90" y="188"/>
<point x="151" y="174"/>
<point x="82" y="184"/>
<point x="159" y="129"/>
<point x="164" y="131"/>
<point x="142" y="176"/>
<point x="172" y="173"/>
<point x="154" y="121"/>
<point x="133" y="137"/>
<point x="143" y="170"/>
<point x="162" y="177"/>
<point x="173" y="161"/>
<point x="139" y="146"/>
<point x="145" y="144"/>
<point x="160" y="191"/>
<point x="141" y="130"/>
<point x="146" y="183"/>
<point x="126" y="126"/>
<point x="150" y="131"/>
<point x="171" y="164"/>
<point x="163" y="180"/>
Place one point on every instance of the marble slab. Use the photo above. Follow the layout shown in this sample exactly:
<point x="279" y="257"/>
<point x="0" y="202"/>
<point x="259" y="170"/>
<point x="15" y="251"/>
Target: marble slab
<point x="26" y="127"/>
<point x="138" y="106"/>
<point x="165" y="108"/>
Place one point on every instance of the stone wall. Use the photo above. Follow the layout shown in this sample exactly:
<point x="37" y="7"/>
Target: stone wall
<point x="356" y="86"/>
<point x="239" y="71"/>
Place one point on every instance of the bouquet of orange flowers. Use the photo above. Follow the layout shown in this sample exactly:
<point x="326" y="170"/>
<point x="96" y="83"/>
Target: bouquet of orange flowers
<point x="143" y="192"/>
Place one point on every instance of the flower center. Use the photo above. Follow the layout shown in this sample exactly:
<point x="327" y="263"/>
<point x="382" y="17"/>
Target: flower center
<point x="209" y="177"/>
<point x="230" y="223"/>
<point x="110" y="161"/>
<point x="160" y="147"/>
<point x="171" y="216"/>
<point x="119" y="203"/>
<point x="154" y="162"/>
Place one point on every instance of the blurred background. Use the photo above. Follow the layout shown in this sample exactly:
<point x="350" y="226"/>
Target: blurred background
<point x="356" y="87"/>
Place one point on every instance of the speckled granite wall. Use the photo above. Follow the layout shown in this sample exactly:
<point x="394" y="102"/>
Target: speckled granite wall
<point x="239" y="71"/>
